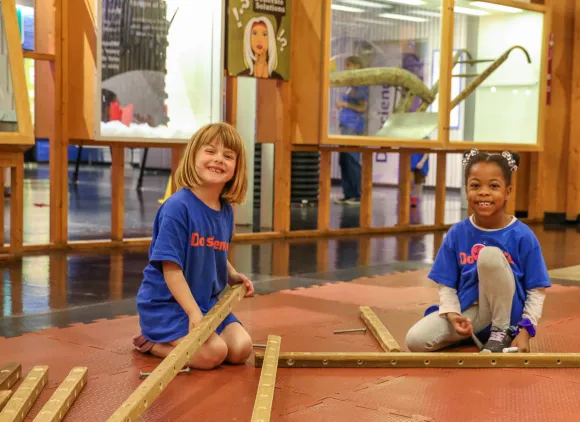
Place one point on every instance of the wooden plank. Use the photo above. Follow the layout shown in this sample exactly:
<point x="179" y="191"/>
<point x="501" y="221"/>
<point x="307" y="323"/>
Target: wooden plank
<point x="4" y="397"/>
<point x="404" y="189"/>
<point x="58" y="163"/>
<point x="378" y="329"/>
<point x="535" y="206"/>
<point x="324" y="185"/>
<point x="9" y="375"/>
<point x="423" y="360"/>
<point x="280" y="259"/>
<point x="117" y="192"/>
<point x="269" y="108"/>
<point x="25" y="396"/>
<point x="283" y="162"/>
<point x="2" y="203"/>
<point x="523" y="182"/>
<point x="510" y="208"/>
<point x="305" y="71"/>
<point x="326" y="41"/>
<point x="232" y="100"/>
<point x="17" y="206"/>
<point x="265" y="395"/>
<point x="322" y="255"/>
<point x="440" y="188"/>
<point x="364" y="251"/>
<point x="62" y="399"/>
<point x="366" y="201"/>
<point x="445" y="70"/>
<point x="39" y="56"/>
<point x="573" y="179"/>
<point x="154" y="384"/>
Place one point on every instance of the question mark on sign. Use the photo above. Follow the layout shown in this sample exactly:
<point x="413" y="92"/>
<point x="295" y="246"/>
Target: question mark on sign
<point x="240" y="11"/>
<point x="283" y="42"/>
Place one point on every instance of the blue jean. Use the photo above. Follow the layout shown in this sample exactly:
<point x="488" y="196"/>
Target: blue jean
<point x="350" y="169"/>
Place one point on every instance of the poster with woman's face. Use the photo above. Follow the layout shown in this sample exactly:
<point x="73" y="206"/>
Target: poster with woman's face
<point x="258" y="38"/>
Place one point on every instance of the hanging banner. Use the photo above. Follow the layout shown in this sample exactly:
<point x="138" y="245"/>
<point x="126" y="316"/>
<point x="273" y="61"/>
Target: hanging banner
<point x="258" y="38"/>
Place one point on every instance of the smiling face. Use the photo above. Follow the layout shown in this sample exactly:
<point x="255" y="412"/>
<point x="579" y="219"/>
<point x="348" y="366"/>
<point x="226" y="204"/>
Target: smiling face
<point x="215" y="164"/>
<point x="259" y="39"/>
<point x="487" y="191"/>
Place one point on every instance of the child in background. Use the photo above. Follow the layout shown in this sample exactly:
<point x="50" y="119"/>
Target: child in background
<point x="188" y="258"/>
<point x="420" y="169"/>
<point x="490" y="270"/>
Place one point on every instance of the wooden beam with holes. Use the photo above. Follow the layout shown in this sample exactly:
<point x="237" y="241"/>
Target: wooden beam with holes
<point x="378" y="329"/>
<point x="60" y="402"/>
<point x="144" y="396"/>
<point x="423" y="360"/>
<point x="9" y="375"/>
<point x="265" y="394"/>
<point x="22" y="400"/>
<point x="4" y="397"/>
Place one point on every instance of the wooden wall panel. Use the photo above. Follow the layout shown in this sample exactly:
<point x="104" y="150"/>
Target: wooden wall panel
<point x="45" y="30"/>
<point x="82" y="45"/>
<point x="557" y="132"/>
<point x="306" y="70"/>
<point x="573" y="181"/>
<point x="522" y="182"/>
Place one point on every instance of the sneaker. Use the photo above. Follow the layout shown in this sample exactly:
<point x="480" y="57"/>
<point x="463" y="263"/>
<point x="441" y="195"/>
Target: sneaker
<point x="340" y="201"/>
<point x="352" y="201"/>
<point x="498" y="340"/>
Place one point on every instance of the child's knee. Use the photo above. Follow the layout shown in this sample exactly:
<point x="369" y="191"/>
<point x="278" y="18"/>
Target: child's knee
<point x="211" y="355"/>
<point x="490" y="257"/>
<point x="416" y="341"/>
<point x="240" y="350"/>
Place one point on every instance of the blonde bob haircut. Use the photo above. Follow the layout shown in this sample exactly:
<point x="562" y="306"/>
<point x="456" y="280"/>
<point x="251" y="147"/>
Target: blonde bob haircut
<point x="186" y="176"/>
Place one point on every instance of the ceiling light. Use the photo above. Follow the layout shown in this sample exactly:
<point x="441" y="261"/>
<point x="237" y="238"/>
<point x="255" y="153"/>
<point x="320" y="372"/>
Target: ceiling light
<point x="468" y="11"/>
<point x="495" y="7"/>
<point x="367" y="4"/>
<point x="346" y="8"/>
<point x="401" y="17"/>
<point x="408" y="2"/>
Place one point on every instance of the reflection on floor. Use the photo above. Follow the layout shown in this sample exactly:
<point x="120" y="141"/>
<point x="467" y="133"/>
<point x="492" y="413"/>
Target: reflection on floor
<point x="90" y="206"/>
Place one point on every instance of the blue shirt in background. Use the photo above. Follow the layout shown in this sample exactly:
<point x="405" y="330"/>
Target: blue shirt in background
<point x="415" y="158"/>
<point x="197" y="238"/>
<point x="349" y="118"/>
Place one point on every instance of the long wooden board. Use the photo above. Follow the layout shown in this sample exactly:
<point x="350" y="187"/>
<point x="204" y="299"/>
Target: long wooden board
<point x="265" y="394"/>
<point x="154" y="384"/>
<point x="27" y="393"/>
<point x="9" y="374"/>
<point x="60" y="402"/>
<point x="378" y="329"/>
<point x="424" y="360"/>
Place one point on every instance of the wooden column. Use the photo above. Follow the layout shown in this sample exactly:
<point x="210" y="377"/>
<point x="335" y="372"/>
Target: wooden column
<point x="282" y="161"/>
<point x="117" y="192"/>
<point x="366" y="202"/>
<point x="232" y="100"/>
<point x="573" y="179"/>
<point x="17" y="205"/>
<point x="440" y="188"/>
<point x="324" y="190"/>
<point x="404" y="189"/>
<point x="511" y="203"/>
<point x="59" y="145"/>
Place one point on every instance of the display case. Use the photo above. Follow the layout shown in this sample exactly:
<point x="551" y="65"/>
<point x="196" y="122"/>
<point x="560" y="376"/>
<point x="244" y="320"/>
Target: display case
<point x="498" y="61"/>
<point x="15" y="122"/>
<point x="436" y="73"/>
<point x="159" y="69"/>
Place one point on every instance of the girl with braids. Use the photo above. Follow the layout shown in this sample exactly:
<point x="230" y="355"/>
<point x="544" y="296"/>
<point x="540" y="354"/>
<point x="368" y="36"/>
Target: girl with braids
<point x="490" y="271"/>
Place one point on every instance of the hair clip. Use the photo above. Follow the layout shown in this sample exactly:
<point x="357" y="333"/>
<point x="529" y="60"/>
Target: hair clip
<point x="468" y="155"/>
<point x="511" y="162"/>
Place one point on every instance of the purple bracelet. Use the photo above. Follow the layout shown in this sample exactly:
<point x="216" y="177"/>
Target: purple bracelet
<point x="527" y="324"/>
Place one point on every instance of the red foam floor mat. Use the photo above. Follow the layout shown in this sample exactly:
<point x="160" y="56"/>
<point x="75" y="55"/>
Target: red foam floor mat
<point x="306" y="319"/>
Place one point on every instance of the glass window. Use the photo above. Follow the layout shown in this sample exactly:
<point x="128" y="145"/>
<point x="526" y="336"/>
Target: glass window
<point x="8" y="118"/>
<point x="161" y="69"/>
<point x="400" y="37"/>
<point x="496" y="80"/>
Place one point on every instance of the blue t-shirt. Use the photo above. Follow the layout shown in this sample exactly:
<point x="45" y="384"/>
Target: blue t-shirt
<point x="197" y="238"/>
<point x="349" y="118"/>
<point x="456" y="265"/>
<point x="415" y="158"/>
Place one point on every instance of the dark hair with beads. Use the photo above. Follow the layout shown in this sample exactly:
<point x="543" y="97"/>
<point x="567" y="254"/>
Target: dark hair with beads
<point x="508" y="162"/>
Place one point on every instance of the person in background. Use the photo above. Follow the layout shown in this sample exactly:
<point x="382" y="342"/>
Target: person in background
<point x="351" y="119"/>
<point x="420" y="169"/>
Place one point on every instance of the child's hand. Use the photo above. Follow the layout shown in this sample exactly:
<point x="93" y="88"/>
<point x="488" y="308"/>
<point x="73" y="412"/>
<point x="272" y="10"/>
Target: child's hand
<point x="522" y="341"/>
<point x="240" y="278"/>
<point x="461" y="324"/>
<point x="194" y="319"/>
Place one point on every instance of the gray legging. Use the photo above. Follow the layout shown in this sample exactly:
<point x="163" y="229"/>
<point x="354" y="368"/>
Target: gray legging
<point x="496" y="291"/>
